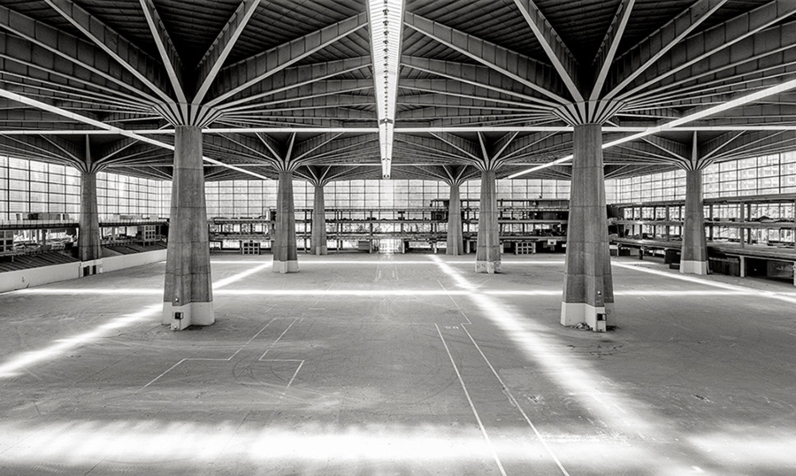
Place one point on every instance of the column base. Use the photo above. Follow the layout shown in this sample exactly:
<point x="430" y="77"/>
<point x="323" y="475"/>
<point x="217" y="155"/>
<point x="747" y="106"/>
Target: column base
<point x="194" y="313"/>
<point x="693" y="267"/>
<point x="573" y="313"/>
<point x="285" y="266"/>
<point x="489" y="267"/>
<point x="321" y="250"/>
<point x="90" y="268"/>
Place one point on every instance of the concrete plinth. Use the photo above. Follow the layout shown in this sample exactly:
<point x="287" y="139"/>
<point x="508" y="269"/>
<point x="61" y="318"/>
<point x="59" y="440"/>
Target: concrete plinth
<point x="693" y="267"/>
<point x="195" y="313"/>
<point x="588" y="285"/>
<point x="318" y="238"/>
<point x="188" y="283"/>
<point x="285" y="252"/>
<point x="454" y="242"/>
<point x="694" y="251"/>
<point x="487" y="258"/>
<point x="89" y="244"/>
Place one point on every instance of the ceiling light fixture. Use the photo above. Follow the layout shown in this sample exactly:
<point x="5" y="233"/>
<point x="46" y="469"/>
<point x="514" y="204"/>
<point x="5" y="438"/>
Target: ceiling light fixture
<point x="386" y="24"/>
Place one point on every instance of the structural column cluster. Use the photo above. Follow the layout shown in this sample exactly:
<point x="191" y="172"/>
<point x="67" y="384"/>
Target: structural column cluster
<point x="188" y="294"/>
<point x="285" y="250"/>
<point x="454" y="239"/>
<point x="588" y="285"/>
<point x="694" y="252"/>
<point x="487" y="258"/>
<point x="318" y="240"/>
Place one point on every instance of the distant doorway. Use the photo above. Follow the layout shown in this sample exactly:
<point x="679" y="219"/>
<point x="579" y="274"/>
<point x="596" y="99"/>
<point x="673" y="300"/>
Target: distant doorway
<point x="390" y="246"/>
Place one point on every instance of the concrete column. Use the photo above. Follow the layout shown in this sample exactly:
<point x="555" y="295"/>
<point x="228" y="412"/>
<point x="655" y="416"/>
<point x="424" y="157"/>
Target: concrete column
<point x="588" y="287"/>
<point x="487" y="257"/>
<point x="285" y="253"/>
<point x="188" y="296"/>
<point x="694" y="252"/>
<point x="318" y="238"/>
<point x="88" y="243"/>
<point x="454" y="244"/>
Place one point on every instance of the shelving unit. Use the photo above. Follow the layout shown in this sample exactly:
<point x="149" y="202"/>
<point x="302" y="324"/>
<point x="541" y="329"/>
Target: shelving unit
<point x="523" y="225"/>
<point x="393" y="228"/>
<point x="250" y="248"/>
<point x="522" y="221"/>
<point x="239" y="230"/>
<point x="741" y="231"/>
<point x="6" y="242"/>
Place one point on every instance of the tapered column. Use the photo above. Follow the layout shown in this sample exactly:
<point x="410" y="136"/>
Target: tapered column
<point x="88" y="243"/>
<point x="588" y="287"/>
<point x="694" y="252"/>
<point x="454" y="244"/>
<point x="487" y="258"/>
<point x="285" y="253"/>
<point x="188" y="296"/>
<point x="318" y="237"/>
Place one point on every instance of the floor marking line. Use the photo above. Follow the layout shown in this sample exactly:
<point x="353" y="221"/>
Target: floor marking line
<point x="517" y="404"/>
<point x="277" y="339"/>
<point x="461" y="311"/>
<point x="472" y="405"/>
<point x="294" y="375"/>
<point x="164" y="373"/>
<point x="209" y="359"/>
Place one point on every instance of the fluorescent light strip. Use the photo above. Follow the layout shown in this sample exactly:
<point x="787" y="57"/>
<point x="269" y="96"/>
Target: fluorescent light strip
<point x="386" y="25"/>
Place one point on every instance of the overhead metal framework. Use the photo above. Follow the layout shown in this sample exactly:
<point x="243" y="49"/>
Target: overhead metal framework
<point x="397" y="88"/>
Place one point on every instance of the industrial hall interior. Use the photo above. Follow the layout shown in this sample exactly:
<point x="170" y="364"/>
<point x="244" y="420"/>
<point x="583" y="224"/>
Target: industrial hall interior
<point x="394" y="237"/>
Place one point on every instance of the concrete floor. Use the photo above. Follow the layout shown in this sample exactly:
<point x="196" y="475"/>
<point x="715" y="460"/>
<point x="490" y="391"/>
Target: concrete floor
<point x="399" y="364"/>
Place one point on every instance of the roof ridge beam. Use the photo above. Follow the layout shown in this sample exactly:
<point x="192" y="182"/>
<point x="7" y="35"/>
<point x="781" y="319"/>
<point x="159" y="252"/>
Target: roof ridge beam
<point x="307" y="147"/>
<point x="771" y="41"/>
<point x="461" y="144"/>
<point x="509" y="63"/>
<point x="607" y="51"/>
<point x="244" y="74"/>
<point x="488" y="78"/>
<point x="298" y="76"/>
<point x="69" y="47"/>
<point x="219" y="50"/>
<point x="562" y="59"/>
<point x="651" y="49"/>
<point x="138" y="63"/>
<point x="168" y="53"/>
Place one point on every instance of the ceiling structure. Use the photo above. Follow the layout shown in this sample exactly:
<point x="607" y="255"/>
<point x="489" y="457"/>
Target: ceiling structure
<point x="433" y="89"/>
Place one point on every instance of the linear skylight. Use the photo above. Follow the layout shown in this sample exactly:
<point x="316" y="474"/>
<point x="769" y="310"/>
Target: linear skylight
<point x="386" y="24"/>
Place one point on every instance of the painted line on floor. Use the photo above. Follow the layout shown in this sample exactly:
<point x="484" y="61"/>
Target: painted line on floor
<point x="277" y="339"/>
<point x="472" y="405"/>
<point x="228" y="359"/>
<point x="516" y="405"/>
<point x="461" y="311"/>
<point x="573" y="375"/>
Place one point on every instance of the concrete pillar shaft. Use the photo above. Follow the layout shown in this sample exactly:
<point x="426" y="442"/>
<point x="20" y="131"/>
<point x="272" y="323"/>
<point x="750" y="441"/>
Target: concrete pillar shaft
<point x="694" y="251"/>
<point x="188" y="295"/>
<point x="318" y="237"/>
<point x="285" y="252"/>
<point x="454" y="244"/>
<point x="89" y="244"/>
<point x="588" y="286"/>
<point x="487" y="258"/>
